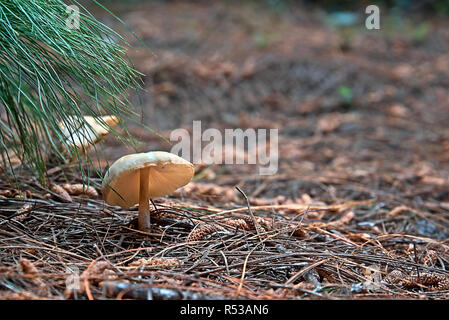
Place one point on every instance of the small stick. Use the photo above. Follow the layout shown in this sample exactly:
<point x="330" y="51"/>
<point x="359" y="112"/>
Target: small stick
<point x="154" y="204"/>
<point x="416" y="259"/>
<point x="226" y="262"/>
<point x="256" y="225"/>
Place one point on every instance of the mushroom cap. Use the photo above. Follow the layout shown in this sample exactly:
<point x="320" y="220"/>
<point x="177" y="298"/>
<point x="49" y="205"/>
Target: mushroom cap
<point x="168" y="172"/>
<point x="85" y="136"/>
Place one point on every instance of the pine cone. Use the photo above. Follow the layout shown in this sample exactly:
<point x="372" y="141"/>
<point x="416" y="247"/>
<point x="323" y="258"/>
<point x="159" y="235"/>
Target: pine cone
<point x="200" y="232"/>
<point x="61" y="192"/>
<point x="424" y="279"/>
<point x="430" y="258"/>
<point x="159" y="262"/>
<point x="428" y="279"/>
<point x="237" y="223"/>
<point x="443" y="285"/>
<point x="249" y="222"/>
<point x="78" y="188"/>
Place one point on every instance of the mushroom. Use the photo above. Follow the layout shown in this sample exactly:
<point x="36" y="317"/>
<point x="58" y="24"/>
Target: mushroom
<point x="136" y="178"/>
<point x="88" y="134"/>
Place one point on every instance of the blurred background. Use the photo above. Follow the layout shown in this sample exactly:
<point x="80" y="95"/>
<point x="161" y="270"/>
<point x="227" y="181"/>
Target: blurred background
<point x="368" y="107"/>
<point x="362" y="115"/>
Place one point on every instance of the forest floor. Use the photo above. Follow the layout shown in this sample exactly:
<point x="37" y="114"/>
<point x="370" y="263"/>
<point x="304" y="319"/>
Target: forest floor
<point x="358" y="209"/>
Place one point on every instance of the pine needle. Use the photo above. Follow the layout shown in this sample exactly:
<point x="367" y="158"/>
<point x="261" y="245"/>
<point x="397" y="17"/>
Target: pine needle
<point x="49" y="72"/>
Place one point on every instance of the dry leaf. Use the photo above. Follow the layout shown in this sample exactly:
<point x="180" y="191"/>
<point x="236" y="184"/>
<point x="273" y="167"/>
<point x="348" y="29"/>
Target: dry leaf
<point x="27" y="267"/>
<point x="100" y="269"/>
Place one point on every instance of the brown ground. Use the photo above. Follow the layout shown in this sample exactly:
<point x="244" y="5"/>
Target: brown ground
<point x="372" y="169"/>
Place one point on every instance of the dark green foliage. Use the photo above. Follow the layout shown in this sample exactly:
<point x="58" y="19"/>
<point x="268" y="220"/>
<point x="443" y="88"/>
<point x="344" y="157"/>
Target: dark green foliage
<point x="49" y="72"/>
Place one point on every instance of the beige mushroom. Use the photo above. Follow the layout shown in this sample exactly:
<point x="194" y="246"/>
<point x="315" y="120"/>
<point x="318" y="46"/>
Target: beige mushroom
<point x="136" y="178"/>
<point x="86" y="135"/>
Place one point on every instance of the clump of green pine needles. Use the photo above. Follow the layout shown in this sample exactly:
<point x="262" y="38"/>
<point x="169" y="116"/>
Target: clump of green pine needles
<point x="48" y="72"/>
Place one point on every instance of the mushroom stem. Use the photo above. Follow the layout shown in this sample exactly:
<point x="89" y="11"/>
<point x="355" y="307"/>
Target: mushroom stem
<point x="144" y="206"/>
